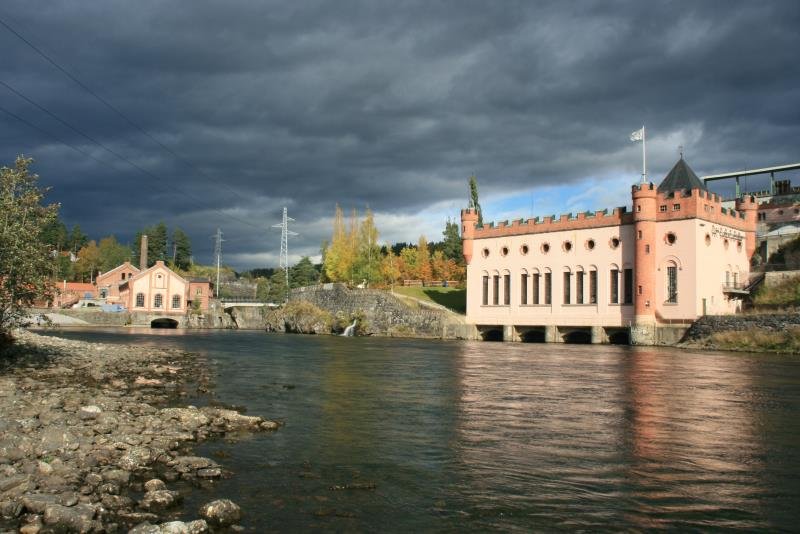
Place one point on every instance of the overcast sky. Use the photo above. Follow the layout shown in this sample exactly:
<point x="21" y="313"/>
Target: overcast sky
<point x="251" y="106"/>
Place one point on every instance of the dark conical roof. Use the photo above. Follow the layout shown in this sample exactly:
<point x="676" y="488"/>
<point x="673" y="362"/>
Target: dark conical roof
<point x="680" y="178"/>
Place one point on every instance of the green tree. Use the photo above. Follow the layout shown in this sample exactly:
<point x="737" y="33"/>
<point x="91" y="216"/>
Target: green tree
<point x="473" y="198"/>
<point x="303" y="273"/>
<point x="182" y="248"/>
<point x="26" y="262"/>
<point x="77" y="239"/>
<point x="262" y="289"/>
<point x="451" y="246"/>
<point x="157" y="244"/>
<point x="55" y="234"/>
<point x="278" y="292"/>
<point x="112" y="254"/>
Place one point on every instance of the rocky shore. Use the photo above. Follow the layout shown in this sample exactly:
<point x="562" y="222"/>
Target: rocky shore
<point x="92" y="436"/>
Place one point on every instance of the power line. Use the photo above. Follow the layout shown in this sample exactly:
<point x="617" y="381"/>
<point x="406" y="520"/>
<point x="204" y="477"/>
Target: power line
<point x="120" y="156"/>
<point x="113" y="108"/>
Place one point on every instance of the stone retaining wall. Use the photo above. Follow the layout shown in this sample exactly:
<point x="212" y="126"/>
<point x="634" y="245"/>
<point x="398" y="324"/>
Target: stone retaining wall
<point x="709" y="324"/>
<point x="384" y="314"/>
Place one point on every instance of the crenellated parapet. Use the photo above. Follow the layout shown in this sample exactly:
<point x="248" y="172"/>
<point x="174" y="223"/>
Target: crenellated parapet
<point x="540" y="225"/>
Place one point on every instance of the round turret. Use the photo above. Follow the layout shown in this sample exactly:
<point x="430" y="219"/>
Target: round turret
<point x="469" y="218"/>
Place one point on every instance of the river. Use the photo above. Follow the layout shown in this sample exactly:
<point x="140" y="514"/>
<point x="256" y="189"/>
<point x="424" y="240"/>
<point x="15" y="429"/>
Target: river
<point x="459" y="436"/>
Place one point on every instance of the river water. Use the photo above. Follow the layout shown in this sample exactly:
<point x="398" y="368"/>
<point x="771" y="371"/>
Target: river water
<point x="459" y="436"/>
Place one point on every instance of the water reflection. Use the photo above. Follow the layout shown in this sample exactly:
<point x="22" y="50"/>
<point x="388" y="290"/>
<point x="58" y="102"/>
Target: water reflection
<point x="502" y="437"/>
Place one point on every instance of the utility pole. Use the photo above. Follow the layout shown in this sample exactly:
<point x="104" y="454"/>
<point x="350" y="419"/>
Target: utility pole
<point x="284" y="258"/>
<point x="218" y="253"/>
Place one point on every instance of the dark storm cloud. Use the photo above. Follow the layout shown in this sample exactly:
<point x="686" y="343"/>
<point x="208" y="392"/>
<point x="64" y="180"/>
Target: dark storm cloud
<point x="391" y="105"/>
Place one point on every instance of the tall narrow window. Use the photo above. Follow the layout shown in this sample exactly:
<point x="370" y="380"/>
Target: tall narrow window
<point x="614" y="286"/>
<point x="140" y="300"/>
<point x="485" y="300"/>
<point x="672" y="284"/>
<point x="158" y="301"/>
<point x="592" y="287"/>
<point x="507" y="289"/>
<point x="579" y="287"/>
<point x="523" y="289"/>
<point x="628" y="282"/>
<point x="567" y="288"/>
<point x="496" y="290"/>
<point x="548" y="288"/>
<point x="176" y="301"/>
<point x="536" y="288"/>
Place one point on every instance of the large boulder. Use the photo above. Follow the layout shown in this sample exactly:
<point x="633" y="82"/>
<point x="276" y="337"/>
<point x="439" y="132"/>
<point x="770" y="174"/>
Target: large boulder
<point x="221" y="513"/>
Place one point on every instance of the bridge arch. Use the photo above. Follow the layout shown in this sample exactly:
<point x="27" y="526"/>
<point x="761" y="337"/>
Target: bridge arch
<point x="163" y="322"/>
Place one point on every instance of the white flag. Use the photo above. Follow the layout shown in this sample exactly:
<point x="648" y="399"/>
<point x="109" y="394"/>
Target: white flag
<point x="638" y="135"/>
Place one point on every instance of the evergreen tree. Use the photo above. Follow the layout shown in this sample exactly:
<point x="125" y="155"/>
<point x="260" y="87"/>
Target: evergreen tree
<point x="473" y="198"/>
<point x="182" y="248"/>
<point x="26" y="264"/>
<point x="303" y="273"/>
<point x="262" y="289"/>
<point x="77" y="239"/>
<point x="277" y="287"/>
<point x="157" y="244"/>
<point x="451" y="246"/>
<point x="55" y="234"/>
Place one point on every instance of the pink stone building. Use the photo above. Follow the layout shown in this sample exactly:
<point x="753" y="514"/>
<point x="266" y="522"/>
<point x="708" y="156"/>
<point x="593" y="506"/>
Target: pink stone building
<point x="160" y="290"/>
<point x="611" y="277"/>
<point x="108" y="283"/>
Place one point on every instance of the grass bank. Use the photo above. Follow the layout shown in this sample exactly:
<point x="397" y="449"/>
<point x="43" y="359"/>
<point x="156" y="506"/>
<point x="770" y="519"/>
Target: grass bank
<point x="787" y="341"/>
<point x="452" y="298"/>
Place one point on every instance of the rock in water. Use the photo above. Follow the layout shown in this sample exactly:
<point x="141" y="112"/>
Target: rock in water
<point x="221" y="513"/>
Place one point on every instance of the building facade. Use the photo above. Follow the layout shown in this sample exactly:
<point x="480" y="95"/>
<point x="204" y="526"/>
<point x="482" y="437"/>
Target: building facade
<point x="108" y="283"/>
<point x="614" y="276"/>
<point x="160" y="290"/>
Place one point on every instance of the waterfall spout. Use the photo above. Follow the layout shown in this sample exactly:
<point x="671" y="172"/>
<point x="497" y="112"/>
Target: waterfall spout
<point x="349" y="331"/>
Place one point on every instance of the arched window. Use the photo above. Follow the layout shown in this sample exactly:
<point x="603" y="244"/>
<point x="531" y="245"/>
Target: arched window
<point x="176" y="301"/>
<point x="523" y="288"/>
<point x="672" y="283"/>
<point x="140" y="300"/>
<point x="158" y="301"/>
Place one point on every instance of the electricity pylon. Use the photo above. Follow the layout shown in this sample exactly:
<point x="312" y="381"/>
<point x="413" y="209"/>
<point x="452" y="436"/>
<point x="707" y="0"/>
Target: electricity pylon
<point x="284" y="259"/>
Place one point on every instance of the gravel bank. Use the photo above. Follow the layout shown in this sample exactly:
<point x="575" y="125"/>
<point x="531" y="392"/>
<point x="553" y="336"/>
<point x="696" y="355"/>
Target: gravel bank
<point x="93" y="435"/>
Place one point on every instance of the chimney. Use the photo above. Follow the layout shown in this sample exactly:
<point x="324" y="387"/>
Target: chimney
<point x="143" y="254"/>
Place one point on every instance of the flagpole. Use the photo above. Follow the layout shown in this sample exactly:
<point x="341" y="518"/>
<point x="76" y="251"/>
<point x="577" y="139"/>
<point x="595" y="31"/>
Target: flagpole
<point x="644" y="155"/>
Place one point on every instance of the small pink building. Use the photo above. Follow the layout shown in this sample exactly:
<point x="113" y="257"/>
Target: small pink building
<point x="617" y="276"/>
<point x="108" y="283"/>
<point x="160" y="290"/>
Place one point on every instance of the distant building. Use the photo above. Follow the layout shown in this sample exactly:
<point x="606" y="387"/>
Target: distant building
<point x="68" y="294"/>
<point x="108" y="283"/>
<point x="615" y="276"/>
<point x="778" y="207"/>
<point x="160" y="290"/>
